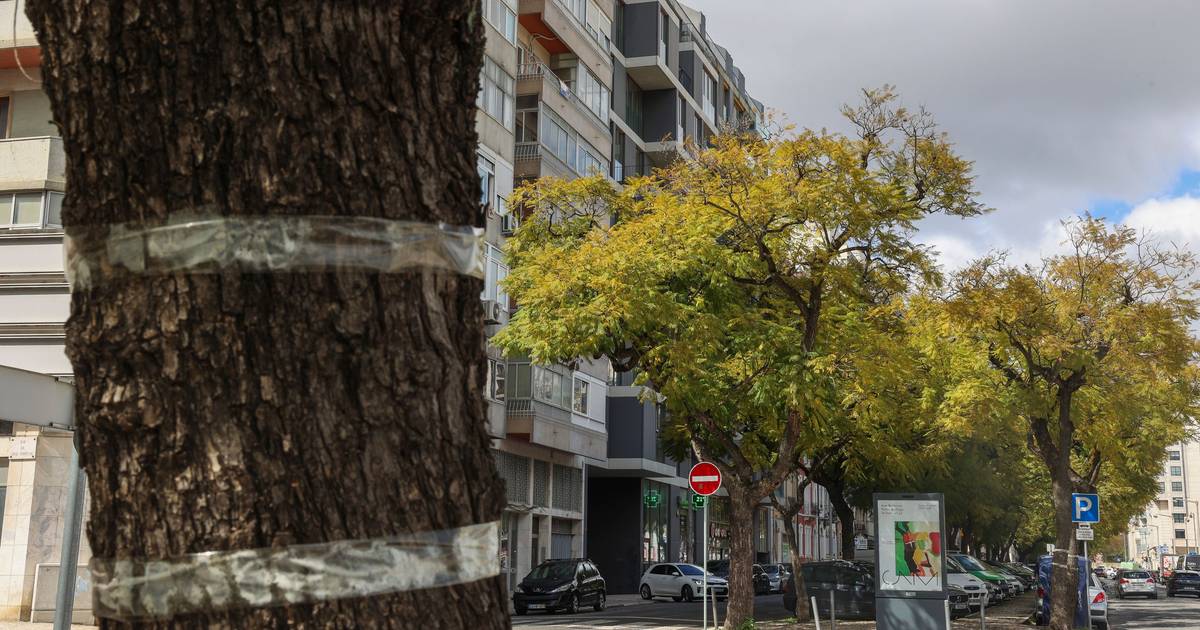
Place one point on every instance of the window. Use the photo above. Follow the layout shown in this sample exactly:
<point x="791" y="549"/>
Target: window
<point x="598" y="25"/>
<point x="3" y="116"/>
<point x="577" y="8"/>
<point x="31" y="209"/>
<point x="579" y="397"/>
<point x="1179" y="518"/>
<point x="1176" y="486"/>
<point x="1177" y="502"/>
<point x="6" y="427"/>
<point x="709" y="86"/>
<point x="565" y="144"/>
<point x="665" y="33"/>
<point x="551" y="387"/>
<point x="494" y="272"/>
<point x="1162" y="487"/>
<point x="496" y="93"/>
<point x="500" y="16"/>
<point x="1179" y="533"/>
<point x="494" y="387"/>
<point x="1176" y="471"/>
<point x="633" y="104"/>
<point x="593" y="94"/>
<point x="1173" y="455"/>
<point x="487" y="180"/>
<point x="699" y="135"/>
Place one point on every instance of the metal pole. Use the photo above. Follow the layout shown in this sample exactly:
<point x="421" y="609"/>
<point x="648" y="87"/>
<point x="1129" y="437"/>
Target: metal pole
<point x="832" y="611"/>
<point x="704" y="566"/>
<point x="1087" y="592"/>
<point x="72" y="525"/>
<point x="946" y="603"/>
<point x="816" y="615"/>
<point x="983" y="610"/>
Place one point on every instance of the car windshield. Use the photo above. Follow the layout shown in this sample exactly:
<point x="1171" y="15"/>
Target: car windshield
<point x="953" y="566"/>
<point x="773" y="569"/>
<point x="690" y="569"/>
<point x="553" y="570"/>
<point x="1137" y="575"/>
<point x="969" y="563"/>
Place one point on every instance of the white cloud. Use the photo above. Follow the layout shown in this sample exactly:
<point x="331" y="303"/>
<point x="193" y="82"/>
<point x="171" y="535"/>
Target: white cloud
<point x="1060" y="104"/>
<point x="1174" y="220"/>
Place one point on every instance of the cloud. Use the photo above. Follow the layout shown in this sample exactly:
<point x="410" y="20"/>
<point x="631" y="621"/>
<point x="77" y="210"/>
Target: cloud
<point x="1174" y="220"/>
<point x="1060" y="104"/>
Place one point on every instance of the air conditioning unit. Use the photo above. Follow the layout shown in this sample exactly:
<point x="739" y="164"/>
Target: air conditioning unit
<point x="493" y="312"/>
<point x="509" y="223"/>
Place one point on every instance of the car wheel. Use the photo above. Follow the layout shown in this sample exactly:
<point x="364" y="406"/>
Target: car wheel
<point x="573" y="605"/>
<point x="646" y="592"/>
<point x="687" y="594"/>
<point x="600" y="603"/>
<point x="520" y="611"/>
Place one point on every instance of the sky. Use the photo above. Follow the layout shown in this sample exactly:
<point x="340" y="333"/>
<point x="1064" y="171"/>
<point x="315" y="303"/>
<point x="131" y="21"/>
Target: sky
<point x="1065" y="106"/>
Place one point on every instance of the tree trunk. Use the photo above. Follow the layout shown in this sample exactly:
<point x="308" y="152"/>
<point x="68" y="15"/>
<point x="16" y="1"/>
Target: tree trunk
<point x="803" y="610"/>
<point x="1064" y="575"/>
<point x="845" y="514"/>
<point x="741" y="559"/>
<point x="236" y="410"/>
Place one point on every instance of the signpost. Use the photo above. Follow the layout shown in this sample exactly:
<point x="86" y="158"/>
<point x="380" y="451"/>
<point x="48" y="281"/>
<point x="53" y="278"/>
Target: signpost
<point x="1085" y="510"/>
<point x="705" y="480"/>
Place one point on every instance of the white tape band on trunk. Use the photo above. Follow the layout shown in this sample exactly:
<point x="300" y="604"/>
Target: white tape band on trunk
<point x="299" y="574"/>
<point x="209" y="244"/>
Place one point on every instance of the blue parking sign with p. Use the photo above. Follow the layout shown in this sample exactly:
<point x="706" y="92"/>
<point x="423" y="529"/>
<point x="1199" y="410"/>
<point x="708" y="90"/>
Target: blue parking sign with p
<point x="1085" y="508"/>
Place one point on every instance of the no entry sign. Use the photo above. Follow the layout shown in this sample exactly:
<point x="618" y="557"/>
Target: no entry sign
<point x="705" y="479"/>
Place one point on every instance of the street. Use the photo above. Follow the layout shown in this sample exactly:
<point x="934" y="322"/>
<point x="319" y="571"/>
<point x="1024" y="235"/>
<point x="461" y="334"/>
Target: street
<point x="1164" y="613"/>
<point x="657" y="614"/>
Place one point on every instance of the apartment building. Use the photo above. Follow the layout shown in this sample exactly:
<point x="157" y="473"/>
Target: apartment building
<point x="1170" y="525"/>
<point x="34" y="303"/>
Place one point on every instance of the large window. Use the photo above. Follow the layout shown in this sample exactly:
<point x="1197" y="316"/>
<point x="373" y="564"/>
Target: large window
<point x="549" y="386"/>
<point x="593" y="93"/>
<point x="598" y="25"/>
<point x="1179" y="518"/>
<point x="500" y="16"/>
<point x="579" y="397"/>
<point x="1176" y="486"/>
<point x="1176" y="471"/>
<point x="709" y="85"/>
<point x="565" y="144"/>
<point x="496" y="93"/>
<point x="31" y="209"/>
<point x="577" y="8"/>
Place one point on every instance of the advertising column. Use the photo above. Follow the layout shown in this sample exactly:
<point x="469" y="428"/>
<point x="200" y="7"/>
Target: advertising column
<point x="910" y="576"/>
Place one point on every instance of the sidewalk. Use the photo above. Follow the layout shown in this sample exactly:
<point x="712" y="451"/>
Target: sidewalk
<point x="1007" y="616"/>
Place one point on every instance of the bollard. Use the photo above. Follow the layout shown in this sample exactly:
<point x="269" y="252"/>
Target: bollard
<point x="832" y="612"/>
<point x="947" y="606"/>
<point x="716" y="622"/>
<point x="983" y="613"/>
<point x="816" y="614"/>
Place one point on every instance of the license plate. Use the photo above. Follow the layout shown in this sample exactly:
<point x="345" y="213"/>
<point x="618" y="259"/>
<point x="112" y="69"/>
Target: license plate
<point x="536" y="606"/>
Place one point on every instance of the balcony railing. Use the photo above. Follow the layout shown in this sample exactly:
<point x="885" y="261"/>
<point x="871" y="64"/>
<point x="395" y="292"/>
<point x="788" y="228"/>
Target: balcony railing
<point x="528" y="151"/>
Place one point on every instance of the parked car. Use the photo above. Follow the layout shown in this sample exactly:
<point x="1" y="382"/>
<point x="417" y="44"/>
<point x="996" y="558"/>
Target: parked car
<point x="975" y="588"/>
<point x="1017" y="581"/>
<point x="719" y="568"/>
<point x="680" y="582"/>
<point x="1029" y="578"/>
<point x="960" y="601"/>
<point x="1183" y="582"/>
<point x="561" y="585"/>
<point x="852" y="585"/>
<point x="1136" y="582"/>
<point x="762" y="582"/>
<point x="1095" y="597"/>
<point x="1110" y="573"/>
<point x="1007" y="585"/>
<point x="776" y="574"/>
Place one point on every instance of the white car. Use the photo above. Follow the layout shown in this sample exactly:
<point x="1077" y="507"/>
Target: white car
<point x="1136" y="582"/>
<point x="976" y="590"/>
<point x="680" y="582"/>
<point x="1099" y="603"/>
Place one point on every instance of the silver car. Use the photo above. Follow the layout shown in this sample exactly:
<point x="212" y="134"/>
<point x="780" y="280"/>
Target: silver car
<point x="776" y="575"/>
<point x="1099" y="603"/>
<point x="1136" y="582"/>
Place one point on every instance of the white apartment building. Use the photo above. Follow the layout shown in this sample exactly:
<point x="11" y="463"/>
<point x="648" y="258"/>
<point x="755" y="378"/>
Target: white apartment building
<point x="1170" y="525"/>
<point x="34" y="303"/>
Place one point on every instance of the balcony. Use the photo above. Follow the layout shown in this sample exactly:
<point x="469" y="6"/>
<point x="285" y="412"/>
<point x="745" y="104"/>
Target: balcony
<point x="532" y="161"/>
<point x="535" y="78"/>
<point x="32" y="164"/>
<point x="560" y="31"/>
<point x="541" y="412"/>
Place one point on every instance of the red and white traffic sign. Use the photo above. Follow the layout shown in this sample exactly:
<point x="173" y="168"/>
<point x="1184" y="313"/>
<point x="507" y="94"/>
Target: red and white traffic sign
<point x="705" y="479"/>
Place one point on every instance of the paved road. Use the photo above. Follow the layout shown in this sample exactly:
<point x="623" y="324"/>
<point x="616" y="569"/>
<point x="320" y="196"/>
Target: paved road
<point x="661" y="614"/>
<point x="1165" y="613"/>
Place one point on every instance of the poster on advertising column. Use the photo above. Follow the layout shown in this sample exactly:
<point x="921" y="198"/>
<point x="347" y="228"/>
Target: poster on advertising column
<point x="910" y="548"/>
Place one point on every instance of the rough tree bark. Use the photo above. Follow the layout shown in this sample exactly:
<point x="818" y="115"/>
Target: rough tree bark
<point x="238" y="411"/>
<point x="741" y="551"/>
<point x="845" y="514"/>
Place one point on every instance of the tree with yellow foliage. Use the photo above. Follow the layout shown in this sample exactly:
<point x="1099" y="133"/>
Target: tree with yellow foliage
<point x="713" y="279"/>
